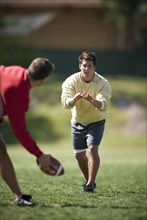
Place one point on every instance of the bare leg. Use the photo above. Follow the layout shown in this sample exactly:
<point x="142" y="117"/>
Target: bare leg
<point x="93" y="164"/>
<point x="7" y="170"/>
<point x="83" y="163"/>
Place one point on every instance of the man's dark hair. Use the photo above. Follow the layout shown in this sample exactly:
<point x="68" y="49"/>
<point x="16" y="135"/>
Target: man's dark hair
<point x="40" y="68"/>
<point x="86" y="55"/>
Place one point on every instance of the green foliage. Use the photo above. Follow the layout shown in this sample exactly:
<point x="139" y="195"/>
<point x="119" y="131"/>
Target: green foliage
<point x="49" y="122"/>
<point x="122" y="11"/>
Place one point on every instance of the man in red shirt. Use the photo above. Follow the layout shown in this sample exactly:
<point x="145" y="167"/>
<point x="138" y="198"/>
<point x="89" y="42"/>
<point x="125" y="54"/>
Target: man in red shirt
<point x="15" y="85"/>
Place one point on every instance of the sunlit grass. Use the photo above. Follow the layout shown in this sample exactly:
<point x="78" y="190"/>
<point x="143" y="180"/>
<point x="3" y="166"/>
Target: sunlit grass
<point x="120" y="193"/>
<point x="129" y="88"/>
<point x="133" y="86"/>
<point x="121" y="182"/>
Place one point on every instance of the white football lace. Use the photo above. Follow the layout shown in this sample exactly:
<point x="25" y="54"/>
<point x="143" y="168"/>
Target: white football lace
<point x="59" y="170"/>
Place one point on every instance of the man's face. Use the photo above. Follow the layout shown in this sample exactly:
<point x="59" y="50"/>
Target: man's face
<point x="87" y="70"/>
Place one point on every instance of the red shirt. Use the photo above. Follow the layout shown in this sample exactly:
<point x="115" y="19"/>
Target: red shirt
<point x="15" y="88"/>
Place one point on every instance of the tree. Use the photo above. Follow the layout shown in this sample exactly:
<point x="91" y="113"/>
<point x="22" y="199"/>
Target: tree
<point x="124" y="14"/>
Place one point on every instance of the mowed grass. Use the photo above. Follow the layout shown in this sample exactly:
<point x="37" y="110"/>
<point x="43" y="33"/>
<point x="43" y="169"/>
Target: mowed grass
<point x="121" y="181"/>
<point x="120" y="193"/>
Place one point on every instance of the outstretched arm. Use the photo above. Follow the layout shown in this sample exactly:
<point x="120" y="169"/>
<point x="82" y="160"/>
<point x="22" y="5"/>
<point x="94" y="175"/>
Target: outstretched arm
<point x="72" y="101"/>
<point x="94" y="102"/>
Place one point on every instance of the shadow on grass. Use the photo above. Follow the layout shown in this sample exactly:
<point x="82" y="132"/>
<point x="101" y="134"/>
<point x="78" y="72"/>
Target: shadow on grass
<point x="73" y="205"/>
<point x="90" y="206"/>
<point x="49" y="206"/>
<point x="36" y="205"/>
<point x="126" y="207"/>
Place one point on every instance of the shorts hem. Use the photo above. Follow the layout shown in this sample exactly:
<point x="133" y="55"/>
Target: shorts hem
<point x="79" y="150"/>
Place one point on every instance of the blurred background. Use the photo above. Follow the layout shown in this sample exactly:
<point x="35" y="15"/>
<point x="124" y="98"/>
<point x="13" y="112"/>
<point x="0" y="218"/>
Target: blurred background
<point x="115" y="30"/>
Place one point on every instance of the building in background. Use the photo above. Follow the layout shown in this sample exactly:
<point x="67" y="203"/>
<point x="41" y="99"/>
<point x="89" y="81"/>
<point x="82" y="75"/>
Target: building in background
<point x="63" y="28"/>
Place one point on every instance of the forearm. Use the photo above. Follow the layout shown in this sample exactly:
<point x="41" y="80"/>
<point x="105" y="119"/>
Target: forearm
<point x="70" y="102"/>
<point x="24" y="137"/>
<point x="97" y="104"/>
<point x="29" y="144"/>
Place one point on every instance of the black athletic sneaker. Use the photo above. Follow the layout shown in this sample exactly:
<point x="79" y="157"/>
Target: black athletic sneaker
<point x="94" y="185"/>
<point x="24" y="200"/>
<point x="88" y="188"/>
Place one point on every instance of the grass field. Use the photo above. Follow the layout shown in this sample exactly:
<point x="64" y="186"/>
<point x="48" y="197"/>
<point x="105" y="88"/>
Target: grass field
<point x="121" y="182"/>
<point x="120" y="193"/>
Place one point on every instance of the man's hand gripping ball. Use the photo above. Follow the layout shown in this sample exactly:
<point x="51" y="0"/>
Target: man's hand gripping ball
<point x="50" y="165"/>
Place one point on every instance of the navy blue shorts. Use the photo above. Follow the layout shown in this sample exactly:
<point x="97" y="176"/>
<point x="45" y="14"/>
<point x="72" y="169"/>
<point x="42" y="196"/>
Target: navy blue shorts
<point x="84" y="136"/>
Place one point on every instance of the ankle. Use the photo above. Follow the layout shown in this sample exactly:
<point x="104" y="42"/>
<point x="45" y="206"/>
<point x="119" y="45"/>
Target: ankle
<point x="16" y="196"/>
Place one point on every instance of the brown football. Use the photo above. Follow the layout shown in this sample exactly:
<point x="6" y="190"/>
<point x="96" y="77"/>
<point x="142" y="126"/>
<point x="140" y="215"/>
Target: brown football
<point x="54" y="172"/>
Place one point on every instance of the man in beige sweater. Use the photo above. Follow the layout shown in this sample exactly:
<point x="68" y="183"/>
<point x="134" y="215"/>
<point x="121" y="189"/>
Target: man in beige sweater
<point x="88" y="95"/>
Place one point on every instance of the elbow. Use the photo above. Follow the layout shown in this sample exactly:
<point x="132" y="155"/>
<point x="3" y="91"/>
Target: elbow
<point x="105" y="106"/>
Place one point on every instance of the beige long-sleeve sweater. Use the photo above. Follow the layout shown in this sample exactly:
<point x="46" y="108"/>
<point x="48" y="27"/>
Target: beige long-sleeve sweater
<point x="83" y="111"/>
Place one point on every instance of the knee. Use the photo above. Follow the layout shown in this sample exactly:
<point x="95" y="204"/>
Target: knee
<point x="93" y="152"/>
<point x="80" y="156"/>
<point x="77" y="156"/>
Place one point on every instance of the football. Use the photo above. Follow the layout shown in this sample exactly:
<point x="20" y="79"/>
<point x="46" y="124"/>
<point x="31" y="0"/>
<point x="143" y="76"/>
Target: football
<point x="58" y="170"/>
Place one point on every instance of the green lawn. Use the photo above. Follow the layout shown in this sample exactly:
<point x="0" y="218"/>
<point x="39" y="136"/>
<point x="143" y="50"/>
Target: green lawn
<point x="121" y="182"/>
<point x="120" y="193"/>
